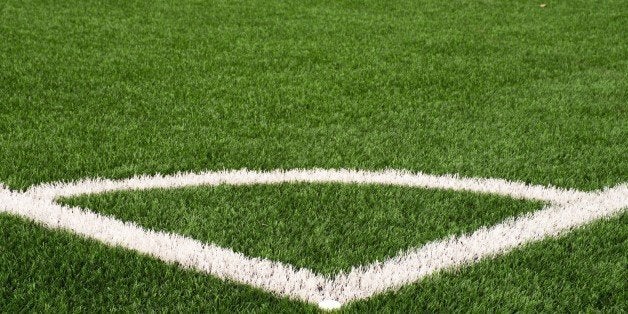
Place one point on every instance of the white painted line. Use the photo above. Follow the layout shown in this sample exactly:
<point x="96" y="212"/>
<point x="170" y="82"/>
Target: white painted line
<point x="517" y="190"/>
<point x="568" y="209"/>
<point x="282" y="279"/>
<point x="413" y="265"/>
<point x="329" y="305"/>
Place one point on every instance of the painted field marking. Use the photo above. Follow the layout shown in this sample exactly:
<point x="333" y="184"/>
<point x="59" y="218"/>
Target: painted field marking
<point x="566" y="209"/>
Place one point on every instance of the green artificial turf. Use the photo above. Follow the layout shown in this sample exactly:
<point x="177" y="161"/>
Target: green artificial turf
<point x="324" y="227"/>
<point x="57" y="271"/>
<point x="586" y="271"/>
<point x="44" y="271"/>
<point x="482" y="88"/>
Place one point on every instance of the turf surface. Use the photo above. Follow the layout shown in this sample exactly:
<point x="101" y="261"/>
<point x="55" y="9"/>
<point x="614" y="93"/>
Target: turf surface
<point x="583" y="272"/>
<point x="324" y="227"/>
<point x="481" y="88"/>
<point x="59" y="272"/>
<point x="53" y="271"/>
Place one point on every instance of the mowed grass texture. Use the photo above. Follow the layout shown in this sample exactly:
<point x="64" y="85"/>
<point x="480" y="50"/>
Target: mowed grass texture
<point x="45" y="270"/>
<point x="324" y="227"/>
<point x="480" y="88"/>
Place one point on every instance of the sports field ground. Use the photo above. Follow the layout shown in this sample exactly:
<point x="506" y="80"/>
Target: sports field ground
<point x="296" y="156"/>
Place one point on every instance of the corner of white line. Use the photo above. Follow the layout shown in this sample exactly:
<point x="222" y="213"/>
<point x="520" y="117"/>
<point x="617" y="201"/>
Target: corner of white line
<point x="329" y="305"/>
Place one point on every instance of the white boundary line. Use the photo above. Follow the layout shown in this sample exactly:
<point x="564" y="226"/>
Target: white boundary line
<point x="518" y="190"/>
<point x="567" y="209"/>
<point x="413" y="265"/>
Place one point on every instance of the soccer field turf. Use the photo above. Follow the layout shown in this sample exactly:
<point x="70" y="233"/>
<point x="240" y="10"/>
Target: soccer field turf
<point x="483" y="89"/>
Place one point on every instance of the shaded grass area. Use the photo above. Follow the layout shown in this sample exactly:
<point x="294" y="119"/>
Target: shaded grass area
<point x="585" y="271"/>
<point x="481" y="88"/>
<point x="324" y="227"/>
<point x="55" y="271"/>
<point x="46" y="270"/>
